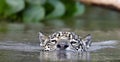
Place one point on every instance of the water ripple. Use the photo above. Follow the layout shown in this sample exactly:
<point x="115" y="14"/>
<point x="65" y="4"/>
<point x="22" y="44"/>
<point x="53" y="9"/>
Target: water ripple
<point x="36" y="48"/>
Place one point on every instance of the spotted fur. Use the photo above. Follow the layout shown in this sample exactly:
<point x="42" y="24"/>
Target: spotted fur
<point x="64" y="41"/>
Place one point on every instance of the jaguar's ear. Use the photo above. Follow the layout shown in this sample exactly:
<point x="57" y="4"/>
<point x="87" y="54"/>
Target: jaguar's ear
<point x="87" y="40"/>
<point x="42" y="39"/>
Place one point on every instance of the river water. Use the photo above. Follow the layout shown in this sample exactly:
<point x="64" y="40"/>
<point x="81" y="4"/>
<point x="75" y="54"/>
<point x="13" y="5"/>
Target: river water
<point x="22" y="45"/>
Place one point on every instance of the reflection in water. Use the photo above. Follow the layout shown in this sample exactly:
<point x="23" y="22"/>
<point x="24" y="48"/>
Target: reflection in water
<point x="61" y="55"/>
<point x="64" y="56"/>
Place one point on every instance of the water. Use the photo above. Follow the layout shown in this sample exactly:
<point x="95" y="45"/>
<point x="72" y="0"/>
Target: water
<point x="99" y="51"/>
<point x="19" y="45"/>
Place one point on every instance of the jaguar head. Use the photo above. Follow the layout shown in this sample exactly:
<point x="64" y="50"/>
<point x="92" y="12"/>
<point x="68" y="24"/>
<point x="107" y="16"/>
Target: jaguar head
<point x="64" y="41"/>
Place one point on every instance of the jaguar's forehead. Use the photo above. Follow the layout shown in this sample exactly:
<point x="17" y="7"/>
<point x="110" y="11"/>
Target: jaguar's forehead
<point x="64" y="35"/>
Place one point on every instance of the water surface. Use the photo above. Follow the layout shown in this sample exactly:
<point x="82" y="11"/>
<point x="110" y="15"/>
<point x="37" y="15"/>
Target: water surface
<point x="21" y="45"/>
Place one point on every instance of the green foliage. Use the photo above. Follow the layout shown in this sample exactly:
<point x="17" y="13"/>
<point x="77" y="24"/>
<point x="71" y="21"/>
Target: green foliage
<point x="2" y="5"/>
<point x="80" y="8"/>
<point x="33" y="14"/>
<point x="14" y="6"/>
<point x="59" y="9"/>
<point x="34" y="11"/>
<point x="70" y="8"/>
<point x="36" y="2"/>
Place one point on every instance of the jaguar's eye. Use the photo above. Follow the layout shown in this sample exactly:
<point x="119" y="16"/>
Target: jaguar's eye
<point x="54" y="41"/>
<point x="73" y="42"/>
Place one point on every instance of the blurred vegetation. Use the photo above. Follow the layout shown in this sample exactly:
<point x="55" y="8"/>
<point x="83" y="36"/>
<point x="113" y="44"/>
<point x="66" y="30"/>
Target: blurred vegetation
<point x="57" y="13"/>
<point x="28" y="11"/>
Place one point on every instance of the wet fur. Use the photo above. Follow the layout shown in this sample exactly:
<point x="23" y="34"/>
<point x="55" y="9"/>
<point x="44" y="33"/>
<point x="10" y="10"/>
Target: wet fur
<point x="75" y="42"/>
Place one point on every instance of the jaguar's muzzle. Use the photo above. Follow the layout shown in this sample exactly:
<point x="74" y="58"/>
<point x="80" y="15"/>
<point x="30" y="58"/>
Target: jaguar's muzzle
<point x="62" y="44"/>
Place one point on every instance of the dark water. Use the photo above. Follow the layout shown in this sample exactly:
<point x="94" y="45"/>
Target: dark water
<point x="22" y="45"/>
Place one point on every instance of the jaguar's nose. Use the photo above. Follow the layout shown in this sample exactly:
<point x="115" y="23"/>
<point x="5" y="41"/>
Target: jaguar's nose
<point x="62" y="46"/>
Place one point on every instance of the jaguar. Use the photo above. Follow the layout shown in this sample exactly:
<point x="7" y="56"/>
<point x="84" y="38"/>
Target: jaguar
<point x="64" y="40"/>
